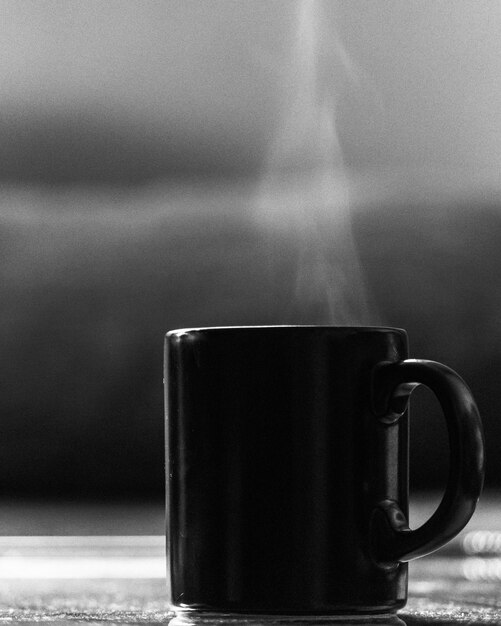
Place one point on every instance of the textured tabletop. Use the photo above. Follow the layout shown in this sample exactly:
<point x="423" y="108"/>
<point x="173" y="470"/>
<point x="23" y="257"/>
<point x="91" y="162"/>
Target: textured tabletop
<point x="120" y="579"/>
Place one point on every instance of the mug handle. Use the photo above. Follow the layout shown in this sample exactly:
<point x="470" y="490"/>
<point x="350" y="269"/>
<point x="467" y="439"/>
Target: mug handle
<point x="393" y="383"/>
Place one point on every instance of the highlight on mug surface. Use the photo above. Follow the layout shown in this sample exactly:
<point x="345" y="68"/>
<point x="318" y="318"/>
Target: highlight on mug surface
<point x="199" y="163"/>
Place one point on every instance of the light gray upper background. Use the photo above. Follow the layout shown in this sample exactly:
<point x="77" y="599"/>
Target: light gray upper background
<point x="417" y="83"/>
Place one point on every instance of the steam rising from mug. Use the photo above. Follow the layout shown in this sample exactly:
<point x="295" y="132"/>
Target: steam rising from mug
<point x="304" y="188"/>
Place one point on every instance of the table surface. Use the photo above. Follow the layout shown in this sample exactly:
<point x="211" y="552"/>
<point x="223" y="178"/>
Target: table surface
<point x="82" y="567"/>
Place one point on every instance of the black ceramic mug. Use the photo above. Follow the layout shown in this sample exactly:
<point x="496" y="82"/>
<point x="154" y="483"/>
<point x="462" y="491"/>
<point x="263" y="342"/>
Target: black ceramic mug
<point x="287" y="469"/>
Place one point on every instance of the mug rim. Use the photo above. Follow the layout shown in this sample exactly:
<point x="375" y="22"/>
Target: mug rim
<point x="284" y="327"/>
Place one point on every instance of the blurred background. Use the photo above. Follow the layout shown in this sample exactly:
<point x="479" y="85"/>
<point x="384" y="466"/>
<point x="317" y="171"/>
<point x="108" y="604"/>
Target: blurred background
<point x="173" y="163"/>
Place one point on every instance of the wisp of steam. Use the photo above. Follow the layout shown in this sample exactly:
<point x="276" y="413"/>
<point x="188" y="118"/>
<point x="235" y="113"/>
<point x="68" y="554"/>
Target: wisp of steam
<point x="304" y="187"/>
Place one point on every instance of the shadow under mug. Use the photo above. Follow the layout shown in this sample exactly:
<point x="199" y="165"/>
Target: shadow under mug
<point x="287" y="469"/>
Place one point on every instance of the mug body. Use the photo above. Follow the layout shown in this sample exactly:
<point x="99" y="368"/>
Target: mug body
<point x="275" y="465"/>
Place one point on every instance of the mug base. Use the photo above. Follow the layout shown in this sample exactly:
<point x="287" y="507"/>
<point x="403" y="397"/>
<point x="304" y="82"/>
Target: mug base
<point x="191" y="617"/>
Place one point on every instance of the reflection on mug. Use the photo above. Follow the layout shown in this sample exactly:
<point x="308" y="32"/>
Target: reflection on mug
<point x="188" y="619"/>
